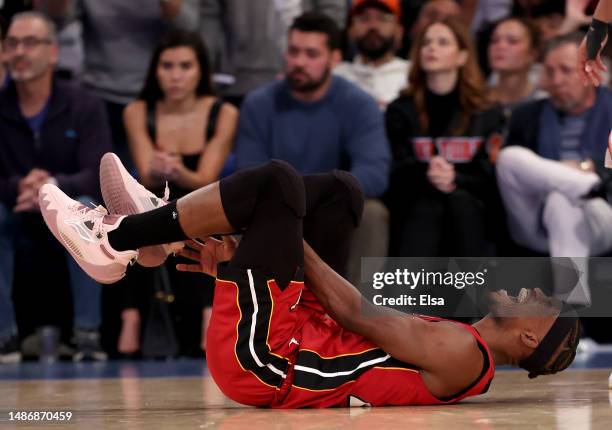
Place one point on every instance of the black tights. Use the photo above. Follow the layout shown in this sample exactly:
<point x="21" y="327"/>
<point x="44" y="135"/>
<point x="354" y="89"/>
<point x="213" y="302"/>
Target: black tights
<point x="274" y="208"/>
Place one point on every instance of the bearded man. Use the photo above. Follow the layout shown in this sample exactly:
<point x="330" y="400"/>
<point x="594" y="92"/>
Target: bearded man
<point x="318" y="122"/>
<point x="376" y="31"/>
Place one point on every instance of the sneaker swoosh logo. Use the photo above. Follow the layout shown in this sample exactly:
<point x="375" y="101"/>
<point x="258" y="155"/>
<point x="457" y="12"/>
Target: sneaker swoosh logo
<point x="80" y="230"/>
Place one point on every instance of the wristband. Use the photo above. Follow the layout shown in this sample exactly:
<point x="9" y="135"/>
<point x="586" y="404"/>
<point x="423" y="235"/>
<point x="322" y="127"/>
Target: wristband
<point x="598" y="30"/>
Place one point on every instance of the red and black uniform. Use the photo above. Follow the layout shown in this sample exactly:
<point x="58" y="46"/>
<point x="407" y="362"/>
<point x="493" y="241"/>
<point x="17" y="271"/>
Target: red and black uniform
<point x="276" y="348"/>
<point x="270" y="342"/>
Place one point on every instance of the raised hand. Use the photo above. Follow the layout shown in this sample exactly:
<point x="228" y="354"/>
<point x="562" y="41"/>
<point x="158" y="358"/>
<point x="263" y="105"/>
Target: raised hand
<point x="591" y="71"/>
<point x="207" y="254"/>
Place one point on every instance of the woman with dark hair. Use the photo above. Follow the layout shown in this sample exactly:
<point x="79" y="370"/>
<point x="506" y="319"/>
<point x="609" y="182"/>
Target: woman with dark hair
<point x="513" y="52"/>
<point x="179" y="134"/>
<point x="439" y="129"/>
<point x="167" y="125"/>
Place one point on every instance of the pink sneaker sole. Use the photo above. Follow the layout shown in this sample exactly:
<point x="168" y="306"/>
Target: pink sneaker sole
<point x="123" y="195"/>
<point x="104" y="274"/>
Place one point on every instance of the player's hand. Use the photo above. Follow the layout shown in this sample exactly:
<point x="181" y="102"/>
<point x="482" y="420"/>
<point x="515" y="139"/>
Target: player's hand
<point x="207" y="255"/>
<point x="591" y="71"/>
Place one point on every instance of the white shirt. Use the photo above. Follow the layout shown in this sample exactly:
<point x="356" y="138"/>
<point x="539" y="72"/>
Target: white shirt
<point x="384" y="82"/>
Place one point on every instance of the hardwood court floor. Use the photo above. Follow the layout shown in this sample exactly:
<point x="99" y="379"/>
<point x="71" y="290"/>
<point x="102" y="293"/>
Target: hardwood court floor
<point x="575" y="399"/>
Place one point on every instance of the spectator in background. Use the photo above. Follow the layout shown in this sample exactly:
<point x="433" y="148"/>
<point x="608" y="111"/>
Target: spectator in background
<point x="482" y="14"/>
<point x="554" y="158"/>
<point x="441" y="179"/>
<point x="247" y="39"/>
<point x="178" y="133"/>
<point x="8" y="8"/>
<point x="118" y="39"/>
<point x="318" y="122"/>
<point x="434" y="10"/>
<point x="377" y="32"/>
<point x="513" y="53"/>
<point x="49" y="132"/>
<point x="554" y="17"/>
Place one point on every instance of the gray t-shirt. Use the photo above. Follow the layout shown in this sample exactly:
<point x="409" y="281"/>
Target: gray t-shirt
<point x="119" y="38"/>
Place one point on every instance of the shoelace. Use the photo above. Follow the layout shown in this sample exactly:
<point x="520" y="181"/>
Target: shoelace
<point x="94" y="214"/>
<point x="166" y="196"/>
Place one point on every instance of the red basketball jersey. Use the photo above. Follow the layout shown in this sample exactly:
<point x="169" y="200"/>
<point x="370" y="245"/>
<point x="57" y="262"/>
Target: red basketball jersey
<point x="267" y="347"/>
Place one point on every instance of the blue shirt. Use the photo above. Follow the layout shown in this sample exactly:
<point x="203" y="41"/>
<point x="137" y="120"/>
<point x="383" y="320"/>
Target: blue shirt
<point x="343" y="130"/>
<point x="36" y="121"/>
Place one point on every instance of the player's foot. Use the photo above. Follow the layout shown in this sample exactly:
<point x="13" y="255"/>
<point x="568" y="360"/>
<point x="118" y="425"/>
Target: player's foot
<point x="84" y="233"/>
<point x="123" y="195"/>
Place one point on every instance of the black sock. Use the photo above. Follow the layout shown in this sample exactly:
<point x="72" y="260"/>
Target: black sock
<point x="156" y="227"/>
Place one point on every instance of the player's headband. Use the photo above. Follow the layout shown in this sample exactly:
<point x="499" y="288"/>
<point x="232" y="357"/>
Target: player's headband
<point x="537" y="362"/>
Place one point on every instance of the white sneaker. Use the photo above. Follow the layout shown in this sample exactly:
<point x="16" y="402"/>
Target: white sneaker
<point x="84" y="233"/>
<point x="123" y="195"/>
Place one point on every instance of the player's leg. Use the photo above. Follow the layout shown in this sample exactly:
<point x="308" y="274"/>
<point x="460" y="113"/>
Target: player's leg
<point x="334" y="204"/>
<point x="267" y="205"/>
<point x="252" y="323"/>
<point x="104" y="244"/>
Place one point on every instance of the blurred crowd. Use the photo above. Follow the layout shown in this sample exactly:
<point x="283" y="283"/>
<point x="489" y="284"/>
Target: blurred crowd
<point x="465" y="122"/>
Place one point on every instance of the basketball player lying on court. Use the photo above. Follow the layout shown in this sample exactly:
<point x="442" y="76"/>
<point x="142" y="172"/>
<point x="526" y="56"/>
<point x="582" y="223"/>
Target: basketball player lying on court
<point x="280" y="341"/>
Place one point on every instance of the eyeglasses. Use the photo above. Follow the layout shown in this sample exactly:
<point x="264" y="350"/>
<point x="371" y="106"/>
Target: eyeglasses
<point x="31" y="42"/>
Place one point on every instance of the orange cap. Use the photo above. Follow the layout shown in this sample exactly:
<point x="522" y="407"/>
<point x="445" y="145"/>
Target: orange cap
<point x="392" y="6"/>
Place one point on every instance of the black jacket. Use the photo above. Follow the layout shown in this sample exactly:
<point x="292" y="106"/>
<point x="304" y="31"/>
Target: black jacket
<point x="468" y="152"/>
<point x="73" y="137"/>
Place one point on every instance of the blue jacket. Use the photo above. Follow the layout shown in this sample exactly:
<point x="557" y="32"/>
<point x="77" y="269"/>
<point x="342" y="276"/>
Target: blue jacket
<point x="344" y="130"/>
<point x="73" y="137"/>
<point x="535" y="125"/>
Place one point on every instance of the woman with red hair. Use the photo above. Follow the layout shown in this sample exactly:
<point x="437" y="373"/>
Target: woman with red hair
<point x="440" y="128"/>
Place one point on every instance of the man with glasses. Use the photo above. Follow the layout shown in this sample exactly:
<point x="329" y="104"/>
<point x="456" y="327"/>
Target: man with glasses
<point x="377" y="33"/>
<point x="50" y="132"/>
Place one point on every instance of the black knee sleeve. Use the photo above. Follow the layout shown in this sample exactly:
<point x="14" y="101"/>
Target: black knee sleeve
<point x="276" y="180"/>
<point x="353" y="192"/>
<point x="290" y="183"/>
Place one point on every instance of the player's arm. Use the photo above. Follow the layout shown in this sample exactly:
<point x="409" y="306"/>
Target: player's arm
<point x="448" y="354"/>
<point x="603" y="11"/>
<point x="590" y="65"/>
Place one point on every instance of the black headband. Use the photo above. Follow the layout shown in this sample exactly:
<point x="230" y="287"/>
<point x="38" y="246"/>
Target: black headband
<point x="537" y="361"/>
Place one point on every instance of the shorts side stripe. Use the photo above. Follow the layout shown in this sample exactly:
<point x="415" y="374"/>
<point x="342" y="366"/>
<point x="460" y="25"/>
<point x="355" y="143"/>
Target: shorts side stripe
<point x="251" y="349"/>
<point x="316" y="373"/>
